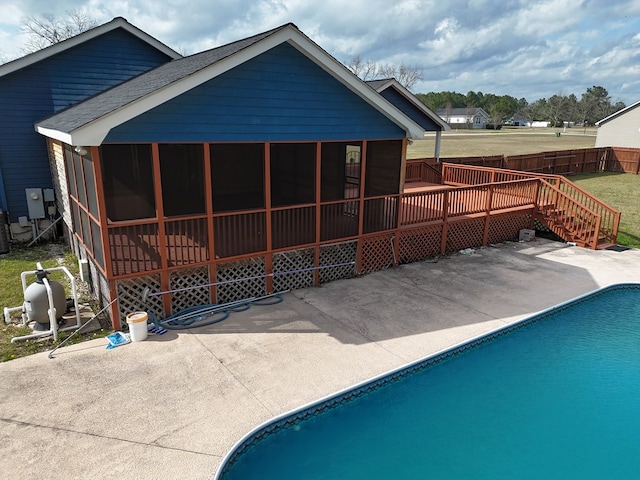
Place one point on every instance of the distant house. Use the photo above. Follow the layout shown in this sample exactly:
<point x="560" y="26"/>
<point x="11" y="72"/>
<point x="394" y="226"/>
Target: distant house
<point x="622" y="129"/>
<point x="49" y="81"/>
<point x="472" y="117"/>
<point x="517" y="121"/>
<point x="255" y="167"/>
<point x="408" y="103"/>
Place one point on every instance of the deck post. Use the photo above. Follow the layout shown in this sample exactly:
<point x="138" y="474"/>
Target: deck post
<point x="208" y="189"/>
<point x="318" y="198"/>
<point x="162" y="237"/>
<point x="437" y="148"/>
<point x="363" y="174"/>
<point x="596" y="233"/>
<point x="487" y="218"/>
<point x="445" y="222"/>
<point x="268" y="260"/>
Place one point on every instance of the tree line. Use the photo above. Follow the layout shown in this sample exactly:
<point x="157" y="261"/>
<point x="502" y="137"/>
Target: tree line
<point x="593" y="105"/>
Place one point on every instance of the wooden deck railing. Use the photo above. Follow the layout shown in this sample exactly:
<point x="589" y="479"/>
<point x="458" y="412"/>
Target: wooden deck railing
<point x="419" y="170"/>
<point x="556" y="190"/>
<point x="437" y="205"/>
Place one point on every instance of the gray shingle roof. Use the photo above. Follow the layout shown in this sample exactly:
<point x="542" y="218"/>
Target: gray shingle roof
<point x="121" y="95"/>
<point x="458" y="111"/>
<point x="375" y="84"/>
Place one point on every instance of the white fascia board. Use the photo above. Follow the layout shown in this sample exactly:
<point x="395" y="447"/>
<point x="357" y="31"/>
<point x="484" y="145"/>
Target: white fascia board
<point x="619" y="112"/>
<point x="54" y="49"/>
<point x="351" y="81"/>
<point x="95" y="132"/>
<point x="142" y="35"/>
<point x="56" y="135"/>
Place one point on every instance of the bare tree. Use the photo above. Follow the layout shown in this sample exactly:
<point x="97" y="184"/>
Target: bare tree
<point x="47" y="29"/>
<point x="364" y="69"/>
<point x="556" y="108"/>
<point x="406" y="75"/>
<point x="448" y="110"/>
<point x="471" y="110"/>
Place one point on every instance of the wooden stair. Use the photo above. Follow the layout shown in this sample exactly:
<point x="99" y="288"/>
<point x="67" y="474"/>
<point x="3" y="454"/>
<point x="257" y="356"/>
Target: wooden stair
<point x="566" y="209"/>
<point x="567" y="228"/>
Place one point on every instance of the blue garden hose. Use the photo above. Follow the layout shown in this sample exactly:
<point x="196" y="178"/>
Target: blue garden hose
<point x="208" y="314"/>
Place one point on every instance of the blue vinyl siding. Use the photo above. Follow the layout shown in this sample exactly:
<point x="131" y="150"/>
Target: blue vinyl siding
<point x="41" y="89"/>
<point x="410" y="110"/>
<point x="280" y="95"/>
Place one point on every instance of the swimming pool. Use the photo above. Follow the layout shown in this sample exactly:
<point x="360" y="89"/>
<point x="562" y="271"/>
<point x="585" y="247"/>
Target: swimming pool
<point x="554" y="396"/>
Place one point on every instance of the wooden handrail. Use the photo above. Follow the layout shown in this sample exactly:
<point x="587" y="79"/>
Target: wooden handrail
<point x="609" y="217"/>
<point x="559" y="178"/>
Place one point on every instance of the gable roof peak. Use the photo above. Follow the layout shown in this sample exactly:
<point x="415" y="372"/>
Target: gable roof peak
<point x="88" y="122"/>
<point x="51" y="50"/>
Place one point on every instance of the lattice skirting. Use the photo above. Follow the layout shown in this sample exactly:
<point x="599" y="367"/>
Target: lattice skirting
<point x="507" y="226"/>
<point x="465" y="234"/>
<point x="293" y="269"/>
<point x="130" y="295"/>
<point x="343" y="254"/>
<point x="195" y="295"/>
<point x="377" y="253"/>
<point x="420" y="243"/>
<point x="254" y="285"/>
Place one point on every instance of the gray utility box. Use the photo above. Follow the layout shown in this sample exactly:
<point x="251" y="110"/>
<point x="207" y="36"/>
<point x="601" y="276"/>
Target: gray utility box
<point x="35" y="203"/>
<point x="526" y="235"/>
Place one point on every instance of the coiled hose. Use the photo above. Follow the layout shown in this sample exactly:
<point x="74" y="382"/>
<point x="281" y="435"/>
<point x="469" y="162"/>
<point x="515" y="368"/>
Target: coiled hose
<point x="208" y="314"/>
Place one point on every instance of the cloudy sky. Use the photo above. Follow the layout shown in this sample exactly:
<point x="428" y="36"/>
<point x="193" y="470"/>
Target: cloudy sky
<point x="523" y="48"/>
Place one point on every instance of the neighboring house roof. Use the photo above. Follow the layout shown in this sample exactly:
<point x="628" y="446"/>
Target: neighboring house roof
<point x="618" y="113"/>
<point x="47" y="52"/>
<point x="383" y="84"/>
<point x="88" y="123"/>
<point x="461" y="112"/>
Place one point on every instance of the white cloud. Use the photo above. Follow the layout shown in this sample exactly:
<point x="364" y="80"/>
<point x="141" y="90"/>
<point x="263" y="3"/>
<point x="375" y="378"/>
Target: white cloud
<point x="524" y="48"/>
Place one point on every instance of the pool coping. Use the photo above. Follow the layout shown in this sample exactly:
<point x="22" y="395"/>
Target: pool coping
<point x="293" y="417"/>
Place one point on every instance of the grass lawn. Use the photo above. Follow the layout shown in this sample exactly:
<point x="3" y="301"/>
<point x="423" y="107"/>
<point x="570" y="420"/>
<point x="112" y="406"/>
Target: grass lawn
<point x="621" y="191"/>
<point x="470" y="143"/>
<point x="22" y="259"/>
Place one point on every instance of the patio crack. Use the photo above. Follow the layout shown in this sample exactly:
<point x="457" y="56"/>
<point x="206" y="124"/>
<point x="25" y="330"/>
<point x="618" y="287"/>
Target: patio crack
<point x="106" y="437"/>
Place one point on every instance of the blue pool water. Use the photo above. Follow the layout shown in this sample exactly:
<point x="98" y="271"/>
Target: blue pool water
<point x="556" y="397"/>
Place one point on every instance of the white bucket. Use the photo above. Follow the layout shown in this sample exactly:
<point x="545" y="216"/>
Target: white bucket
<point x="137" y="322"/>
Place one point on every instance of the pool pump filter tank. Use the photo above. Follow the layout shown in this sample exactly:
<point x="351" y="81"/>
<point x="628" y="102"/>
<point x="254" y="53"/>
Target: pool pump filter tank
<point x="36" y="301"/>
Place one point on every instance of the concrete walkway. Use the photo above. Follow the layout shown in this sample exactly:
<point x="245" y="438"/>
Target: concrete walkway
<point x="172" y="406"/>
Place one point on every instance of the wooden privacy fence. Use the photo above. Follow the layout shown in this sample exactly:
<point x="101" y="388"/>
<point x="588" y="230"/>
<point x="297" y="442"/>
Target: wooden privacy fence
<point x="561" y="162"/>
<point x="625" y="160"/>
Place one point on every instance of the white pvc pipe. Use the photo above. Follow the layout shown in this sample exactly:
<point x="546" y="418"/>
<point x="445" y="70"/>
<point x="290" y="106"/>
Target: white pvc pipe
<point x="53" y="324"/>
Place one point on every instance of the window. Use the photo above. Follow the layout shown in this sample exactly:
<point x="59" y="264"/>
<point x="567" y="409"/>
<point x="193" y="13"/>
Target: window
<point x="182" y="174"/>
<point x="128" y="182"/>
<point x="293" y="169"/>
<point x="237" y="176"/>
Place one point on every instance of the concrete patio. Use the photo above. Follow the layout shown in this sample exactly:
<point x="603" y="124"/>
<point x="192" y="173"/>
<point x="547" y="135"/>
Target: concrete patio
<point x="172" y="406"/>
